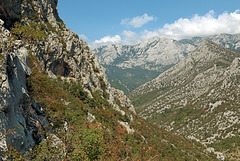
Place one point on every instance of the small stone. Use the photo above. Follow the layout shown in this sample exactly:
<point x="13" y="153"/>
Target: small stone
<point x="1" y="22"/>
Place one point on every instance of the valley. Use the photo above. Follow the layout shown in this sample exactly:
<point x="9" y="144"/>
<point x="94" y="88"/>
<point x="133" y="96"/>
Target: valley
<point x="161" y="99"/>
<point x="198" y="98"/>
<point x="151" y="57"/>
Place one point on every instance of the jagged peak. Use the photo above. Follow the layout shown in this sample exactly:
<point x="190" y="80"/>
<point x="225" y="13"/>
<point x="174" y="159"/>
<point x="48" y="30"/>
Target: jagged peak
<point x="210" y="47"/>
<point x="207" y="43"/>
<point x="157" y="39"/>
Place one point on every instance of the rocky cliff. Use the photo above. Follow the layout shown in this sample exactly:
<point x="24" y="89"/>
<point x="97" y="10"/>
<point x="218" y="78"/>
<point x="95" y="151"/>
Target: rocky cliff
<point x="34" y="27"/>
<point x="21" y="117"/>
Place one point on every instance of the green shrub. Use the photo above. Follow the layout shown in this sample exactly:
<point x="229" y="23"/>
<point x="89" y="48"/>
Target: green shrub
<point x="91" y="142"/>
<point x="95" y="69"/>
<point x="99" y="101"/>
<point x="125" y="118"/>
<point x="27" y="33"/>
<point x="76" y="89"/>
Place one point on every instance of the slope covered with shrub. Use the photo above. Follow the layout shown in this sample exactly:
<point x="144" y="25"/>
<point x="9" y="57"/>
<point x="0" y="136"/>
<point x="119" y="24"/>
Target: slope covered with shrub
<point x="89" y="128"/>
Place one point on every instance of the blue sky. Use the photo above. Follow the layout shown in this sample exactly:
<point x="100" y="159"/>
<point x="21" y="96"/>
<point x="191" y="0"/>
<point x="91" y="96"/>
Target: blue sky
<point x="101" y="22"/>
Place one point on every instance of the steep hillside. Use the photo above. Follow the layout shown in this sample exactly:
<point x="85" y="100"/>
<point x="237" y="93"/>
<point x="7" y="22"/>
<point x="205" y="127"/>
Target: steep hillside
<point x="197" y="98"/>
<point x="91" y="129"/>
<point x="56" y="102"/>
<point x="152" y="57"/>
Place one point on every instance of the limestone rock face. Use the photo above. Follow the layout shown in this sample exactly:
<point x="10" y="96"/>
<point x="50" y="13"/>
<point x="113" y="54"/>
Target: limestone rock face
<point x="151" y="54"/>
<point x="9" y="11"/>
<point x="21" y="118"/>
<point x="61" y="53"/>
<point x="124" y="100"/>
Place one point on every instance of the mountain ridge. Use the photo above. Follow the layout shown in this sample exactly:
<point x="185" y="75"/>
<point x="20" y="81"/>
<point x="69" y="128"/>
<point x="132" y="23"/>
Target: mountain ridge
<point x="154" y="55"/>
<point x="196" y="98"/>
<point x="34" y="28"/>
<point x="56" y="102"/>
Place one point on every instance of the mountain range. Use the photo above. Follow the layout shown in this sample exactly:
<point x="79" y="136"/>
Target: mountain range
<point x="56" y="102"/>
<point x="198" y="98"/>
<point x="129" y="66"/>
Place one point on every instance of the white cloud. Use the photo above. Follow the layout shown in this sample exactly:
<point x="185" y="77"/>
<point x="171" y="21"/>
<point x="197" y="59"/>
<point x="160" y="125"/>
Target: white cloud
<point x="138" y="21"/>
<point x="148" y="34"/>
<point x="105" y="41"/>
<point x="108" y="39"/>
<point x="130" y="37"/>
<point x="208" y="24"/>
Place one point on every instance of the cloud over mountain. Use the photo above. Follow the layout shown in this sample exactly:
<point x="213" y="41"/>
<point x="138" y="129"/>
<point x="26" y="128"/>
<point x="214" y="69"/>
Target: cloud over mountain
<point x="138" y="21"/>
<point x="108" y="40"/>
<point x="208" y="24"/>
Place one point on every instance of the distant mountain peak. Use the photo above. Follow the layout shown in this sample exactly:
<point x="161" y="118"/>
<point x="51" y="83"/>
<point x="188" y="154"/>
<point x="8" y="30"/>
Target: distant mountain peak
<point x="156" y="55"/>
<point x="196" y="98"/>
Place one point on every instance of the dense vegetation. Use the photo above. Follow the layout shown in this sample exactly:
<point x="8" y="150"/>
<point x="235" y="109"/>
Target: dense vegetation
<point x="29" y="33"/>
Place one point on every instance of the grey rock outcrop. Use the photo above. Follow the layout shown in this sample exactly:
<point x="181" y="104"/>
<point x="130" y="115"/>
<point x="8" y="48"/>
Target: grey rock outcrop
<point x="21" y="118"/>
<point x="124" y="100"/>
<point x="10" y="11"/>
<point x="60" y="53"/>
